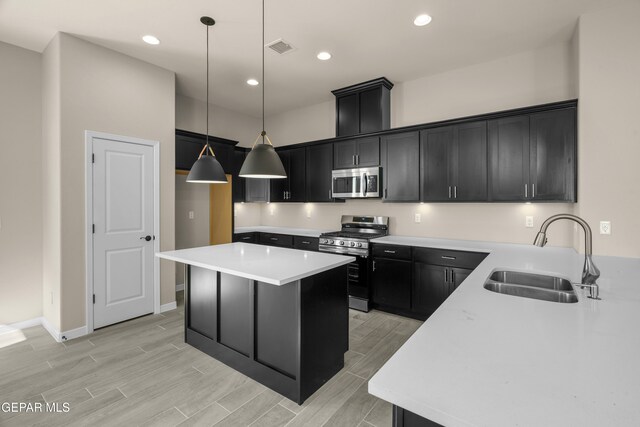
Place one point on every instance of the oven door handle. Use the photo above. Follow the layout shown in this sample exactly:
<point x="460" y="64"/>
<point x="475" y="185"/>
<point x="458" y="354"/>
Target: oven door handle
<point x="364" y="184"/>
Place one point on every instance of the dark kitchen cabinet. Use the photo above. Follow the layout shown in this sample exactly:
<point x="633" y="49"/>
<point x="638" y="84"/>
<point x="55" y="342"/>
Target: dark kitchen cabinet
<point x="306" y="243"/>
<point x="403" y="418"/>
<point x="274" y="239"/>
<point x="319" y="159"/>
<point x="190" y="144"/>
<point x="293" y="187"/>
<point x="238" y="184"/>
<point x="256" y="189"/>
<point x="356" y="153"/>
<point x="391" y="283"/>
<point x="453" y="163"/>
<point x="533" y="157"/>
<point x="363" y="108"/>
<point x="436" y="274"/>
<point x="400" y="158"/>
<point x="251" y="237"/>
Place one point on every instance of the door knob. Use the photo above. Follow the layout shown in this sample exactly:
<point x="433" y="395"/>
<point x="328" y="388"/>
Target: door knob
<point x="147" y="238"/>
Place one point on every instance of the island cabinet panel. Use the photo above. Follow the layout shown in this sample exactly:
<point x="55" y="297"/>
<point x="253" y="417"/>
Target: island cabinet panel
<point x="251" y="237"/>
<point x="203" y="294"/>
<point x="306" y="243"/>
<point x="235" y="312"/>
<point x="404" y="418"/>
<point x="291" y="338"/>
<point x="276" y="314"/>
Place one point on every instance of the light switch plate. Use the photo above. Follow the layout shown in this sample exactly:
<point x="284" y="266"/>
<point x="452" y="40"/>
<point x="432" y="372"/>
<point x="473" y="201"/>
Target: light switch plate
<point x="528" y="221"/>
<point x="191" y="214"/>
<point x="605" y="227"/>
<point x="417" y="218"/>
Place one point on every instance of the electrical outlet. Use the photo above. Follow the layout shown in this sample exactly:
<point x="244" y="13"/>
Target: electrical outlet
<point x="192" y="215"/>
<point x="528" y="221"/>
<point x="605" y="227"/>
<point x="417" y="218"/>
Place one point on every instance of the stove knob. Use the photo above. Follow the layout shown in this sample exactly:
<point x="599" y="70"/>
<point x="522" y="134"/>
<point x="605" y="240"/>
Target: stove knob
<point x="341" y="242"/>
<point x="353" y="244"/>
<point x="322" y="241"/>
<point x="359" y="245"/>
<point x="330" y="242"/>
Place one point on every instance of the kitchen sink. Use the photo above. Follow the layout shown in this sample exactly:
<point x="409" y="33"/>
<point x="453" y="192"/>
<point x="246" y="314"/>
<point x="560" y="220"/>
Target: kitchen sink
<point x="533" y="280"/>
<point x="528" y="285"/>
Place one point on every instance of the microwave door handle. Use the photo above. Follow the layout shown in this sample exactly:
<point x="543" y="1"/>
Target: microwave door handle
<point x="364" y="184"/>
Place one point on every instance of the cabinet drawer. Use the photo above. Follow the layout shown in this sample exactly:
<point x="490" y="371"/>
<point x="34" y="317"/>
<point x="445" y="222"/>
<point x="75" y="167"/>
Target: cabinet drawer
<point x="245" y="237"/>
<point x="305" y="243"/>
<point x="273" y="239"/>
<point x="392" y="251"/>
<point x="448" y="258"/>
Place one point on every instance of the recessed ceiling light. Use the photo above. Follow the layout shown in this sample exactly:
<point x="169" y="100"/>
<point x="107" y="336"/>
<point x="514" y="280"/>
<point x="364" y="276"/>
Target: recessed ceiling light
<point x="253" y="82"/>
<point x="150" y="39"/>
<point x="422" y="20"/>
<point x="323" y="56"/>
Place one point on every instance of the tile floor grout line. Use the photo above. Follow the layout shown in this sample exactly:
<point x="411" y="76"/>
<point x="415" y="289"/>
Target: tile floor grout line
<point x="367" y="414"/>
<point x="216" y="402"/>
<point x="346" y="397"/>
<point x="261" y="415"/>
<point x="183" y="414"/>
<point x="125" y="396"/>
<point x="198" y="370"/>
<point x="294" y="414"/>
<point x="90" y="394"/>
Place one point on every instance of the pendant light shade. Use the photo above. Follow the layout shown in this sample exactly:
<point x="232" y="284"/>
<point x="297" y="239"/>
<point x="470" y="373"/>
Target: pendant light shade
<point x="262" y="161"/>
<point x="207" y="169"/>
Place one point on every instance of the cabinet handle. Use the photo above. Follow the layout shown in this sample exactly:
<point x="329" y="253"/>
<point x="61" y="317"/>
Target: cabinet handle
<point x="374" y="265"/>
<point x="357" y="159"/>
<point x="275" y="239"/>
<point x="329" y="193"/>
<point x="533" y="191"/>
<point x="353" y="159"/>
<point x="455" y="191"/>
<point x="385" y="193"/>
<point x="246" y="238"/>
<point x="526" y="191"/>
<point x="446" y="275"/>
<point x="447" y="257"/>
<point x="449" y="191"/>
<point x="304" y="242"/>
<point x="386" y="251"/>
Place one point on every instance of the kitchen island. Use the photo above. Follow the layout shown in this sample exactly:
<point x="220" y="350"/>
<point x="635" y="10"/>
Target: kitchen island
<point x="487" y="359"/>
<point x="277" y="315"/>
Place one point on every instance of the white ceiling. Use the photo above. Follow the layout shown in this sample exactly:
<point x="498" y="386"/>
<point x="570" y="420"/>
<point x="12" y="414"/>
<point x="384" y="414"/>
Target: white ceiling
<point x="368" y="39"/>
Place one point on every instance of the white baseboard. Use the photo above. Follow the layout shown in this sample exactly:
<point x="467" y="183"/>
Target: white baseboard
<point x="168" y="307"/>
<point x="20" y="325"/>
<point x="64" y="335"/>
<point x="51" y="329"/>
<point x="180" y="287"/>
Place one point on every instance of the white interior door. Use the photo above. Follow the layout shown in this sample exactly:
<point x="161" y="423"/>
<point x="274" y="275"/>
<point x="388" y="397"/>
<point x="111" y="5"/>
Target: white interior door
<point x="123" y="192"/>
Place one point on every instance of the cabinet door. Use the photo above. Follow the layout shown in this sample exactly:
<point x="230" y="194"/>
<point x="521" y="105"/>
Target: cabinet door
<point x="509" y="158"/>
<point x="319" y="165"/>
<point x="553" y="161"/>
<point x="347" y="115"/>
<point x="456" y="276"/>
<point x="370" y="110"/>
<point x="224" y="155"/>
<point x="368" y="152"/>
<point x="297" y="175"/>
<point x="391" y="282"/>
<point x="187" y="151"/>
<point x="280" y="186"/>
<point x="256" y="189"/>
<point x="434" y="164"/>
<point x="238" y="184"/>
<point x="430" y="287"/>
<point x="401" y="163"/>
<point x="344" y="154"/>
<point x="468" y="160"/>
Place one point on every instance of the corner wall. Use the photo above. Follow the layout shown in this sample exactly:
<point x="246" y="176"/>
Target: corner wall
<point x="103" y="90"/>
<point x="20" y="185"/>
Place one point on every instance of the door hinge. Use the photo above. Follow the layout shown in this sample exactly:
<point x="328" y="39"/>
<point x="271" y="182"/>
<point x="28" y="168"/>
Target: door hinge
<point x="93" y="228"/>
<point x="93" y="158"/>
<point x="94" y="298"/>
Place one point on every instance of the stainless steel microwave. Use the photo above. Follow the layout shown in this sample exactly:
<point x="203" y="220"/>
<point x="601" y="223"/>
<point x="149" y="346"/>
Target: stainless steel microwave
<point x="355" y="183"/>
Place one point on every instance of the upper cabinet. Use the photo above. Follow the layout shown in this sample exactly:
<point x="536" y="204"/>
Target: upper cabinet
<point x="363" y="108"/>
<point x="238" y="184"/>
<point x="190" y="144"/>
<point x="400" y="156"/>
<point x="356" y="153"/>
<point x="293" y="187"/>
<point x="532" y="157"/>
<point x="318" y="168"/>
<point x="453" y="163"/>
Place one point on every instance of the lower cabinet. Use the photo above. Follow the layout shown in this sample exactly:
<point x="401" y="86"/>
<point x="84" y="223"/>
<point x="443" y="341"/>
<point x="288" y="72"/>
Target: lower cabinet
<point x="306" y="243"/>
<point x="273" y="239"/>
<point x="246" y="237"/>
<point x="416" y="281"/>
<point x="404" y="418"/>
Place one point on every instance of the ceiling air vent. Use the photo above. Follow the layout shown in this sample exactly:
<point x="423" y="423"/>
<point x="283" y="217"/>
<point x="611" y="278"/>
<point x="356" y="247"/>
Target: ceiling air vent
<point x="280" y="46"/>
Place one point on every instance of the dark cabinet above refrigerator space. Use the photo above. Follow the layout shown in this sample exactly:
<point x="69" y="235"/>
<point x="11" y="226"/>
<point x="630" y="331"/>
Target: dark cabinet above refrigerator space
<point x="363" y="108"/>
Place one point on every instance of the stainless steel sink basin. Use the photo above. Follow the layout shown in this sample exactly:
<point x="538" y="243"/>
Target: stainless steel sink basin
<point x="529" y="285"/>
<point x="533" y="280"/>
<point x="529" y="292"/>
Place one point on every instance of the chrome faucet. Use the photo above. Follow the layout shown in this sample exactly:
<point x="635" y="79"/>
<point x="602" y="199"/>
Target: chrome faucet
<point x="590" y="272"/>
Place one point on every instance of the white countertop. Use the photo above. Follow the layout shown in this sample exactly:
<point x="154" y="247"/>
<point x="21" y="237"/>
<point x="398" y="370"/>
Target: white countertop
<point x="304" y="232"/>
<point x="486" y="359"/>
<point x="268" y="264"/>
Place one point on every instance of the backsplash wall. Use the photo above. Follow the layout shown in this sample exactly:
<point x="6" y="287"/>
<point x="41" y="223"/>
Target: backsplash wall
<point x="500" y="222"/>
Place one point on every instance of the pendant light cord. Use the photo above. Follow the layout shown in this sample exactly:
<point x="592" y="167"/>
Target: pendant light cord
<point x="263" y="83"/>
<point x="207" y="26"/>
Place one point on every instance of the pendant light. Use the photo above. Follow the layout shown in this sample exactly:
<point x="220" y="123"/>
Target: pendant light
<point x="207" y="169"/>
<point x="262" y="161"/>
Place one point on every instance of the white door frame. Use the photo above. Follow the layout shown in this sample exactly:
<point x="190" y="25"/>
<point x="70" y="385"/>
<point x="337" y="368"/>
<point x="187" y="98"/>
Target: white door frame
<point x="88" y="137"/>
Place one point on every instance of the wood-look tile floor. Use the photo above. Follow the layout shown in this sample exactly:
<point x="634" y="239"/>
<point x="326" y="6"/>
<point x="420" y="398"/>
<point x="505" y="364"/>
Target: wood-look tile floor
<point x="141" y="372"/>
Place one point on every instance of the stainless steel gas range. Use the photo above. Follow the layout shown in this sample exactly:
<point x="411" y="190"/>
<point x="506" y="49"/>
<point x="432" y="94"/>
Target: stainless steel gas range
<point x="354" y="239"/>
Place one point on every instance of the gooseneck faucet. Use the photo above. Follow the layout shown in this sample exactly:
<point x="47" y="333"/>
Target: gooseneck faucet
<point x="590" y="272"/>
